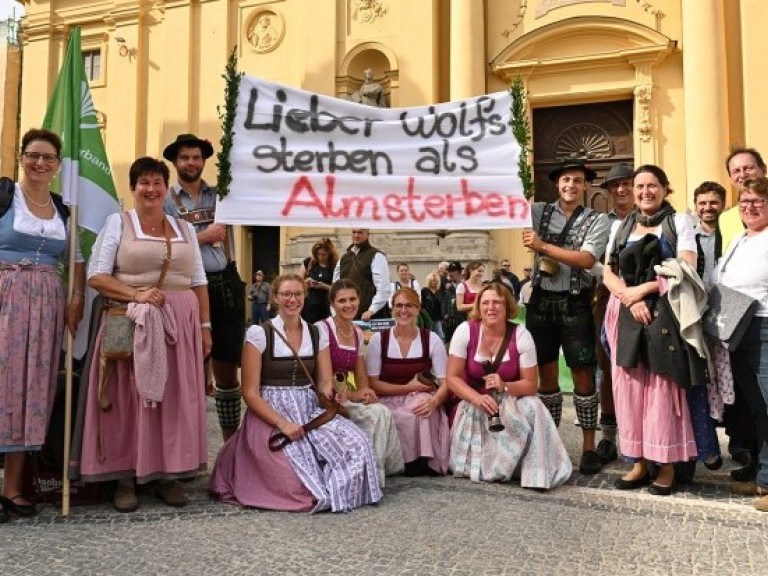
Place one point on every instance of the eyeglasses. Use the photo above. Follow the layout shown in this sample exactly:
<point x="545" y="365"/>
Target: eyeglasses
<point x="287" y="294"/>
<point x="756" y="202"/>
<point x="407" y="306"/>
<point x="36" y="156"/>
<point x="505" y="265"/>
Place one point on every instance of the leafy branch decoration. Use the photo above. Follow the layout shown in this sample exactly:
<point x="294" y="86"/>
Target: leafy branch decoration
<point x="227" y="116"/>
<point x="521" y="129"/>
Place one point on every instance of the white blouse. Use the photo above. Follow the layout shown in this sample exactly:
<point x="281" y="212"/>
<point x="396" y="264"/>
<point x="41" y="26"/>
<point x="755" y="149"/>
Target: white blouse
<point x="523" y="339"/>
<point x="321" y="325"/>
<point x="437" y="353"/>
<point x="105" y="250"/>
<point x="256" y="337"/>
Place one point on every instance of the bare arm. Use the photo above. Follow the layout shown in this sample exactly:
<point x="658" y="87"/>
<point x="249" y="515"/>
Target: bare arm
<point x="575" y="258"/>
<point x="77" y="303"/>
<point x="205" y="316"/>
<point x="110" y="287"/>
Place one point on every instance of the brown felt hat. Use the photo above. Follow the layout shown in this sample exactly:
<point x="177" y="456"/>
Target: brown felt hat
<point x="172" y="150"/>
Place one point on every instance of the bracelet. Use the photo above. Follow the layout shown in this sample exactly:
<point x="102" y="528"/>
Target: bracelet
<point x="206" y="325"/>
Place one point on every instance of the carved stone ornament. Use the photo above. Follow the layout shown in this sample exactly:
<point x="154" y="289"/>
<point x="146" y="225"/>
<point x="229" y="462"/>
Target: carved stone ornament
<point x="643" y="95"/>
<point x="584" y="141"/>
<point x="265" y="31"/>
<point x="368" y="11"/>
<point x="545" y="6"/>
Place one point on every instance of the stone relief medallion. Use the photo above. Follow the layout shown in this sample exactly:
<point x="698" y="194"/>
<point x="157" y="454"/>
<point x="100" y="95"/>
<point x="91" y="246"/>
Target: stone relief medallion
<point x="583" y="141"/>
<point x="367" y="11"/>
<point x="265" y="31"/>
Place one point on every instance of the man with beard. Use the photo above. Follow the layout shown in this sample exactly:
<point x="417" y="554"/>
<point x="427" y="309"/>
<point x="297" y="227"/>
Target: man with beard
<point x="709" y="199"/>
<point x="193" y="200"/>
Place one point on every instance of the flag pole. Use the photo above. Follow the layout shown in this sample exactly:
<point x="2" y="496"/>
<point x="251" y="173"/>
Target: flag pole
<point x="68" y="363"/>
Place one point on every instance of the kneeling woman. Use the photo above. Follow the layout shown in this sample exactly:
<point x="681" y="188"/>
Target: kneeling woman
<point x="395" y="360"/>
<point x="492" y="369"/>
<point x="330" y="467"/>
<point x="346" y="345"/>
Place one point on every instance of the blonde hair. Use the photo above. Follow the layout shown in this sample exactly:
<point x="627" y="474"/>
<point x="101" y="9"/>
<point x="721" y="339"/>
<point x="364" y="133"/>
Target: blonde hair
<point x="510" y="306"/>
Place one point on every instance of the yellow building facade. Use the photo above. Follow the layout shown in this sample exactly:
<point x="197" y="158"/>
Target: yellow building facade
<point x="668" y="82"/>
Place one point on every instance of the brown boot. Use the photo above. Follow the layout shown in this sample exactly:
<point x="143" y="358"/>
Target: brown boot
<point x="171" y="493"/>
<point x="124" y="499"/>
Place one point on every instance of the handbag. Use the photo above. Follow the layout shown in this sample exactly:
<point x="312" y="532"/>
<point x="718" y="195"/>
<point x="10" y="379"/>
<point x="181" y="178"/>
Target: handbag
<point x="117" y="342"/>
<point x="279" y="440"/>
<point x="728" y="315"/>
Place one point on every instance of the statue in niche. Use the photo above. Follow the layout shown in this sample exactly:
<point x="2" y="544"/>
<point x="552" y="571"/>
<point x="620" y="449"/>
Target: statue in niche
<point x="366" y="11"/>
<point x="264" y="35"/>
<point x="371" y="92"/>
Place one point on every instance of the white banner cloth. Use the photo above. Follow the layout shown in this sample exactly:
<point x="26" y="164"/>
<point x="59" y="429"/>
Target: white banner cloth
<point x="304" y="159"/>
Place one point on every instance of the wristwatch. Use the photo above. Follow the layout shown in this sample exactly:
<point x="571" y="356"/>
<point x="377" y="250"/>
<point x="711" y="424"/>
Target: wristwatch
<point x="206" y="325"/>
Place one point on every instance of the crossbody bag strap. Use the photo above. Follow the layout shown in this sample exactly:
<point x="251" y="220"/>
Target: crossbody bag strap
<point x="279" y="441"/>
<point x="496" y="362"/>
<point x="168" y="250"/>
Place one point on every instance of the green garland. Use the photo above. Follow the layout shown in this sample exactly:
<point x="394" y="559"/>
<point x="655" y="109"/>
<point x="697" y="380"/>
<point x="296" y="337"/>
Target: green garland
<point x="521" y="128"/>
<point x="227" y="117"/>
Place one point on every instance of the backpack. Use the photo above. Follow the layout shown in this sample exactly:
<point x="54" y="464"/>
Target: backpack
<point x="7" y="187"/>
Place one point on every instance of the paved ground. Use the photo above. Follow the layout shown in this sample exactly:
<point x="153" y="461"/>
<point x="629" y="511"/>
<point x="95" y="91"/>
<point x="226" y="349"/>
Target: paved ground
<point x="423" y="526"/>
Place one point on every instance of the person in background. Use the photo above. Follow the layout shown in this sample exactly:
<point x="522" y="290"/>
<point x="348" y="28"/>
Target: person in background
<point x="258" y="294"/>
<point x="317" y="272"/>
<point x="492" y="369"/>
<point x="452" y="317"/>
<point x="395" y="360"/>
<point x="526" y="287"/>
<point x="286" y="366"/>
<point x="509" y="277"/>
<point x="432" y="300"/>
<point x="33" y="310"/>
<point x="467" y="291"/>
<point x="404" y="278"/>
<point x="368" y="268"/>
<point x="345" y="341"/>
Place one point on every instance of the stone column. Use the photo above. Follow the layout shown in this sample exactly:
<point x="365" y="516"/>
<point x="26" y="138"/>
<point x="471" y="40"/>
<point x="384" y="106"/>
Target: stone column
<point x="468" y="65"/>
<point x="705" y="91"/>
<point x="754" y="46"/>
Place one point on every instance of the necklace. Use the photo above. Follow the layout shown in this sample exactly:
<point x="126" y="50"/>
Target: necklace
<point x="43" y="205"/>
<point x="152" y="228"/>
<point x="340" y="331"/>
<point x="409" y="336"/>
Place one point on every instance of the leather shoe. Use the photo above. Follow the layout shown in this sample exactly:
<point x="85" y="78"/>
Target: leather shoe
<point x="659" y="490"/>
<point x="621" y="484"/>
<point x="742" y="457"/>
<point x="18" y="508"/>
<point x="124" y="499"/>
<point x="171" y="493"/>
<point x="761" y="504"/>
<point x="607" y="451"/>
<point x="590" y="463"/>
<point x="746" y="473"/>
<point x="748" y="489"/>
<point x="714" y="465"/>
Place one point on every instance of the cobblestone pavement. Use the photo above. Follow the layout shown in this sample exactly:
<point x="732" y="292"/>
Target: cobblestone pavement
<point x="423" y="526"/>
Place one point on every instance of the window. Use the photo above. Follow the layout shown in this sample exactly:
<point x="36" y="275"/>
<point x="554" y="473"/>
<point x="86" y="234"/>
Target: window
<point x="92" y="61"/>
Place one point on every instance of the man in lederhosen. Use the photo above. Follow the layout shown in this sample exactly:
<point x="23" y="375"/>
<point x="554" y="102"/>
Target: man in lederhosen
<point x="193" y="200"/>
<point x="568" y="240"/>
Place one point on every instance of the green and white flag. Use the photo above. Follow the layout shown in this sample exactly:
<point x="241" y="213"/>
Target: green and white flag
<point x="86" y="178"/>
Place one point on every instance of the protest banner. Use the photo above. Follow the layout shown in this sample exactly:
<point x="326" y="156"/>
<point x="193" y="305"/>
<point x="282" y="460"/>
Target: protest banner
<point x="305" y="159"/>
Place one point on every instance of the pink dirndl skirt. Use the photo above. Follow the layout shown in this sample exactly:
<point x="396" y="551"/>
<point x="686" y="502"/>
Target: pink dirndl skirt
<point x="651" y="410"/>
<point x="132" y="439"/>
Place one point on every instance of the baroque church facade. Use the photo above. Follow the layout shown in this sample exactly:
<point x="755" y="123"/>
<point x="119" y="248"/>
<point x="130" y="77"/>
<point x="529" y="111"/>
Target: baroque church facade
<point x="668" y="82"/>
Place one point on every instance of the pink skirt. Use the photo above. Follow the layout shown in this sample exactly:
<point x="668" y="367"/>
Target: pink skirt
<point x="132" y="439"/>
<point x="31" y="330"/>
<point x="651" y="410"/>
<point x="420" y="437"/>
